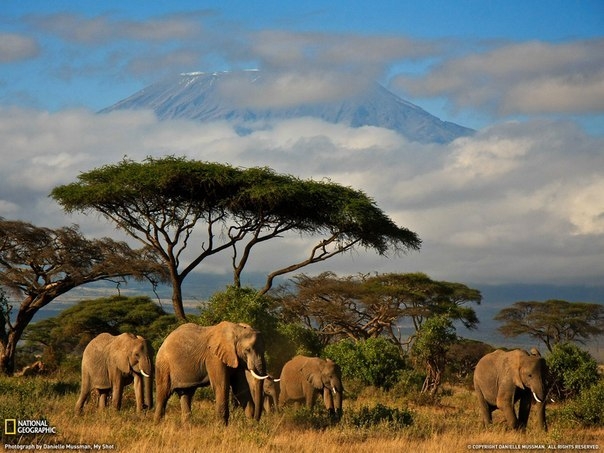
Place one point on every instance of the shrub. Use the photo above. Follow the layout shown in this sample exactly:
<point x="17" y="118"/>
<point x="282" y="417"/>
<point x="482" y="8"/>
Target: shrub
<point x="572" y="370"/>
<point x="305" y="418"/>
<point x="409" y="382"/>
<point x="588" y="408"/>
<point x="375" y="361"/>
<point x="367" y="417"/>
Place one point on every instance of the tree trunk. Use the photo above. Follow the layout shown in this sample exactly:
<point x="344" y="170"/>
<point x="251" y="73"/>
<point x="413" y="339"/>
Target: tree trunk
<point x="7" y="353"/>
<point x="179" y="310"/>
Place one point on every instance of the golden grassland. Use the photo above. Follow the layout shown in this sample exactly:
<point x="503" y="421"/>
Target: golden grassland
<point x="450" y="426"/>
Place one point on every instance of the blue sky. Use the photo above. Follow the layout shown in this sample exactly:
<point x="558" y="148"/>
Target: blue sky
<point x="91" y="54"/>
<point x="519" y="202"/>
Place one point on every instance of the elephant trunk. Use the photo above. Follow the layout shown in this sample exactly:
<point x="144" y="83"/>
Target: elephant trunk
<point x="257" y="368"/>
<point x="146" y="370"/>
<point x="337" y="402"/>
<point x="148" y="391"/>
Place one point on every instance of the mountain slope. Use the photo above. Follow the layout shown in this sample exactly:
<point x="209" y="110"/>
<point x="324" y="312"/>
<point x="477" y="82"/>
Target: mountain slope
<point x="199" y="96"/>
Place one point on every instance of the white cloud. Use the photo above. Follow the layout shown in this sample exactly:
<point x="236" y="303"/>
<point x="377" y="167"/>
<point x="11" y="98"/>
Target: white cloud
<point x="76" y="28"/>
<point x="518" y="202"/>
<point x="14" y="47"/>
<point x="527" y="77"/>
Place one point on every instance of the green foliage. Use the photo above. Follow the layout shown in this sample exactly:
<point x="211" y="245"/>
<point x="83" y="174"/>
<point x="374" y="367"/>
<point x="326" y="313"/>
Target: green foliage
<point x="462" y="358"/>
<point x="410" y="382"/>
<point x="375" y="361"/>
<point x="573" y="370"/>
<point x="434" y="339"/>
<point x="587" y="408"/>
<point x="392" y="418"/>
<point x="74" y="327"/>
<point x="368" y="306"/>
<point x="552" y="321"/>
<point x="238" y="304"/>
<point x="304" y="418"/>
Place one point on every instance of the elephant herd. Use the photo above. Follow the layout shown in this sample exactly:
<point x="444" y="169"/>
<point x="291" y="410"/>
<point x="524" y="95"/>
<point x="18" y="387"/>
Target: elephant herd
<point x="230" y="357"/>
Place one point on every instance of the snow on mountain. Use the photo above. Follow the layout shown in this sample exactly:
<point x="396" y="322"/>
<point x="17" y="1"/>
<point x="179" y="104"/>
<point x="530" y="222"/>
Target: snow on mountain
<point x="204" y="97"/>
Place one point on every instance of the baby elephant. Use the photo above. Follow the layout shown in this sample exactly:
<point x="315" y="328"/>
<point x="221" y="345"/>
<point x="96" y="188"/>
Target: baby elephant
<point x="111" y="362"/>
<point x="303" y="378"/>
<point x="502" y="378"/>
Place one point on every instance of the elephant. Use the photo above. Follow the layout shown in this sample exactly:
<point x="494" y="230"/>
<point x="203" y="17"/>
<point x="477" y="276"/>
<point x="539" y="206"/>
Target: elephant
<point x="503" y="378"/>
<point x="243" y="392"/>
<point x="194" y="356"/>
<point x="109" y="363"/>
<point x="303" y="378"/>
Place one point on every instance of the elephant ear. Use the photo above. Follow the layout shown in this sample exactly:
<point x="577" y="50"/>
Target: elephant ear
<point x="121" y="349"/>
<point x="312" y="373"/>
<point x="222" y="345"/>
<point x="516" y="368"/>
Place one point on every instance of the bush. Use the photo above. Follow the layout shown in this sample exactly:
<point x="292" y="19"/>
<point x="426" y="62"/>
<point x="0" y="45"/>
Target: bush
<point x="409" y="382"/>
<point x="375" y="361"/>
<point x="588" y="408"/>
<point x="305" y="418"/>
<point x="572" y="370"/>
<point x="367" y="417"/>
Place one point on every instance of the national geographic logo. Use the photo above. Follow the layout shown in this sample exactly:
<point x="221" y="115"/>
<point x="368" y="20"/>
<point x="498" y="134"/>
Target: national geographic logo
<point x="12" y="427"/>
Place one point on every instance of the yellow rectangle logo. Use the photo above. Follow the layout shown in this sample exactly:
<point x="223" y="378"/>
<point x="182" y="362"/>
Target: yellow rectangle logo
<point x="10" y="426"/>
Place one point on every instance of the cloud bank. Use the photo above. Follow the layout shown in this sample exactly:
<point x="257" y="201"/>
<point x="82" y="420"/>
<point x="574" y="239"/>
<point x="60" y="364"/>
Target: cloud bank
<point x="517" y="202"/>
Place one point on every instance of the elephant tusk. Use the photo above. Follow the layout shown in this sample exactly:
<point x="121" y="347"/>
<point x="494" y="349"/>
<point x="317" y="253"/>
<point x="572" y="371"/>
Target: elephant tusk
<point x="144" y="374"/>
<point x="261" y="378"/>
<point x="276" y="380"/>
<point x="536" y="399"/>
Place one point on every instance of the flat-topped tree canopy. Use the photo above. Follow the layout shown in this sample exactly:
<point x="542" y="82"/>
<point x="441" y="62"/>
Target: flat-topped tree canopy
<point x="161" y="201"/>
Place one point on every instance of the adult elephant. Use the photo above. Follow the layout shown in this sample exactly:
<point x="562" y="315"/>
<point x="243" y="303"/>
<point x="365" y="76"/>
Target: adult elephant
<point x="109" y="363"/>
<point x="503" y="378"/>
<point x="244" y="388"/>
<point x="193" y="356"/>
<point x="303" y="378"/>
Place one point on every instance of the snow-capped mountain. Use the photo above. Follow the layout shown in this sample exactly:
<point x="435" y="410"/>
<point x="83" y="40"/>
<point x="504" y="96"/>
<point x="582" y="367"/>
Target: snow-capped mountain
<point x="201" y="96"/>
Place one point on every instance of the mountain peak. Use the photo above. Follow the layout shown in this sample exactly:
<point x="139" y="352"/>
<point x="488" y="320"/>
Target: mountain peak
<point x="204" y="96"/>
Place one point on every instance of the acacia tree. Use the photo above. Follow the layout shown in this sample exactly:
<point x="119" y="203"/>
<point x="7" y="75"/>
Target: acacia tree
<point x="553" y="321"/>
<point x="40" y="264"/>
<point x="362" y="307"/>
<point x="434" y="339"/>
<point x="174" y="204"/>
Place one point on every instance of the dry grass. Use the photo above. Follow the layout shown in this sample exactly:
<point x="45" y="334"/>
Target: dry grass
<point x="449" y="427"/>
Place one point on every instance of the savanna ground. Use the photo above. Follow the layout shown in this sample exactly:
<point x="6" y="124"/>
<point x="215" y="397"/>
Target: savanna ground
<point x="449" y="426"/>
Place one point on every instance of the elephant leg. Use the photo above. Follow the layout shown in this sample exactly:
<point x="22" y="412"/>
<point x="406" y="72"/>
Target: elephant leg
<point x="116" y="395"/>
<point x="310" y="398"/>
<point x="138" y="393"/>
<point x="541" y="420"/>
<point x="524" y="411"/>
<point x="221" y="394"/>
<point x="103" y="398"/>
<point x="186" y="398"/>
<point x="162" y="394"/>
<point x="84" y="393"/>
<point x="486" y="410"/>
<point x="507" y="407"/>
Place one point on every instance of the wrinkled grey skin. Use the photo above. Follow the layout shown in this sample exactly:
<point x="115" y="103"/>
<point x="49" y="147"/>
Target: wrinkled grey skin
<point x="109" y="363"/>
<point x="303" y="378"/>
<point x="503" y="378"/>
<point x="244" y="389"/>
<point x="193" y="356"/>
